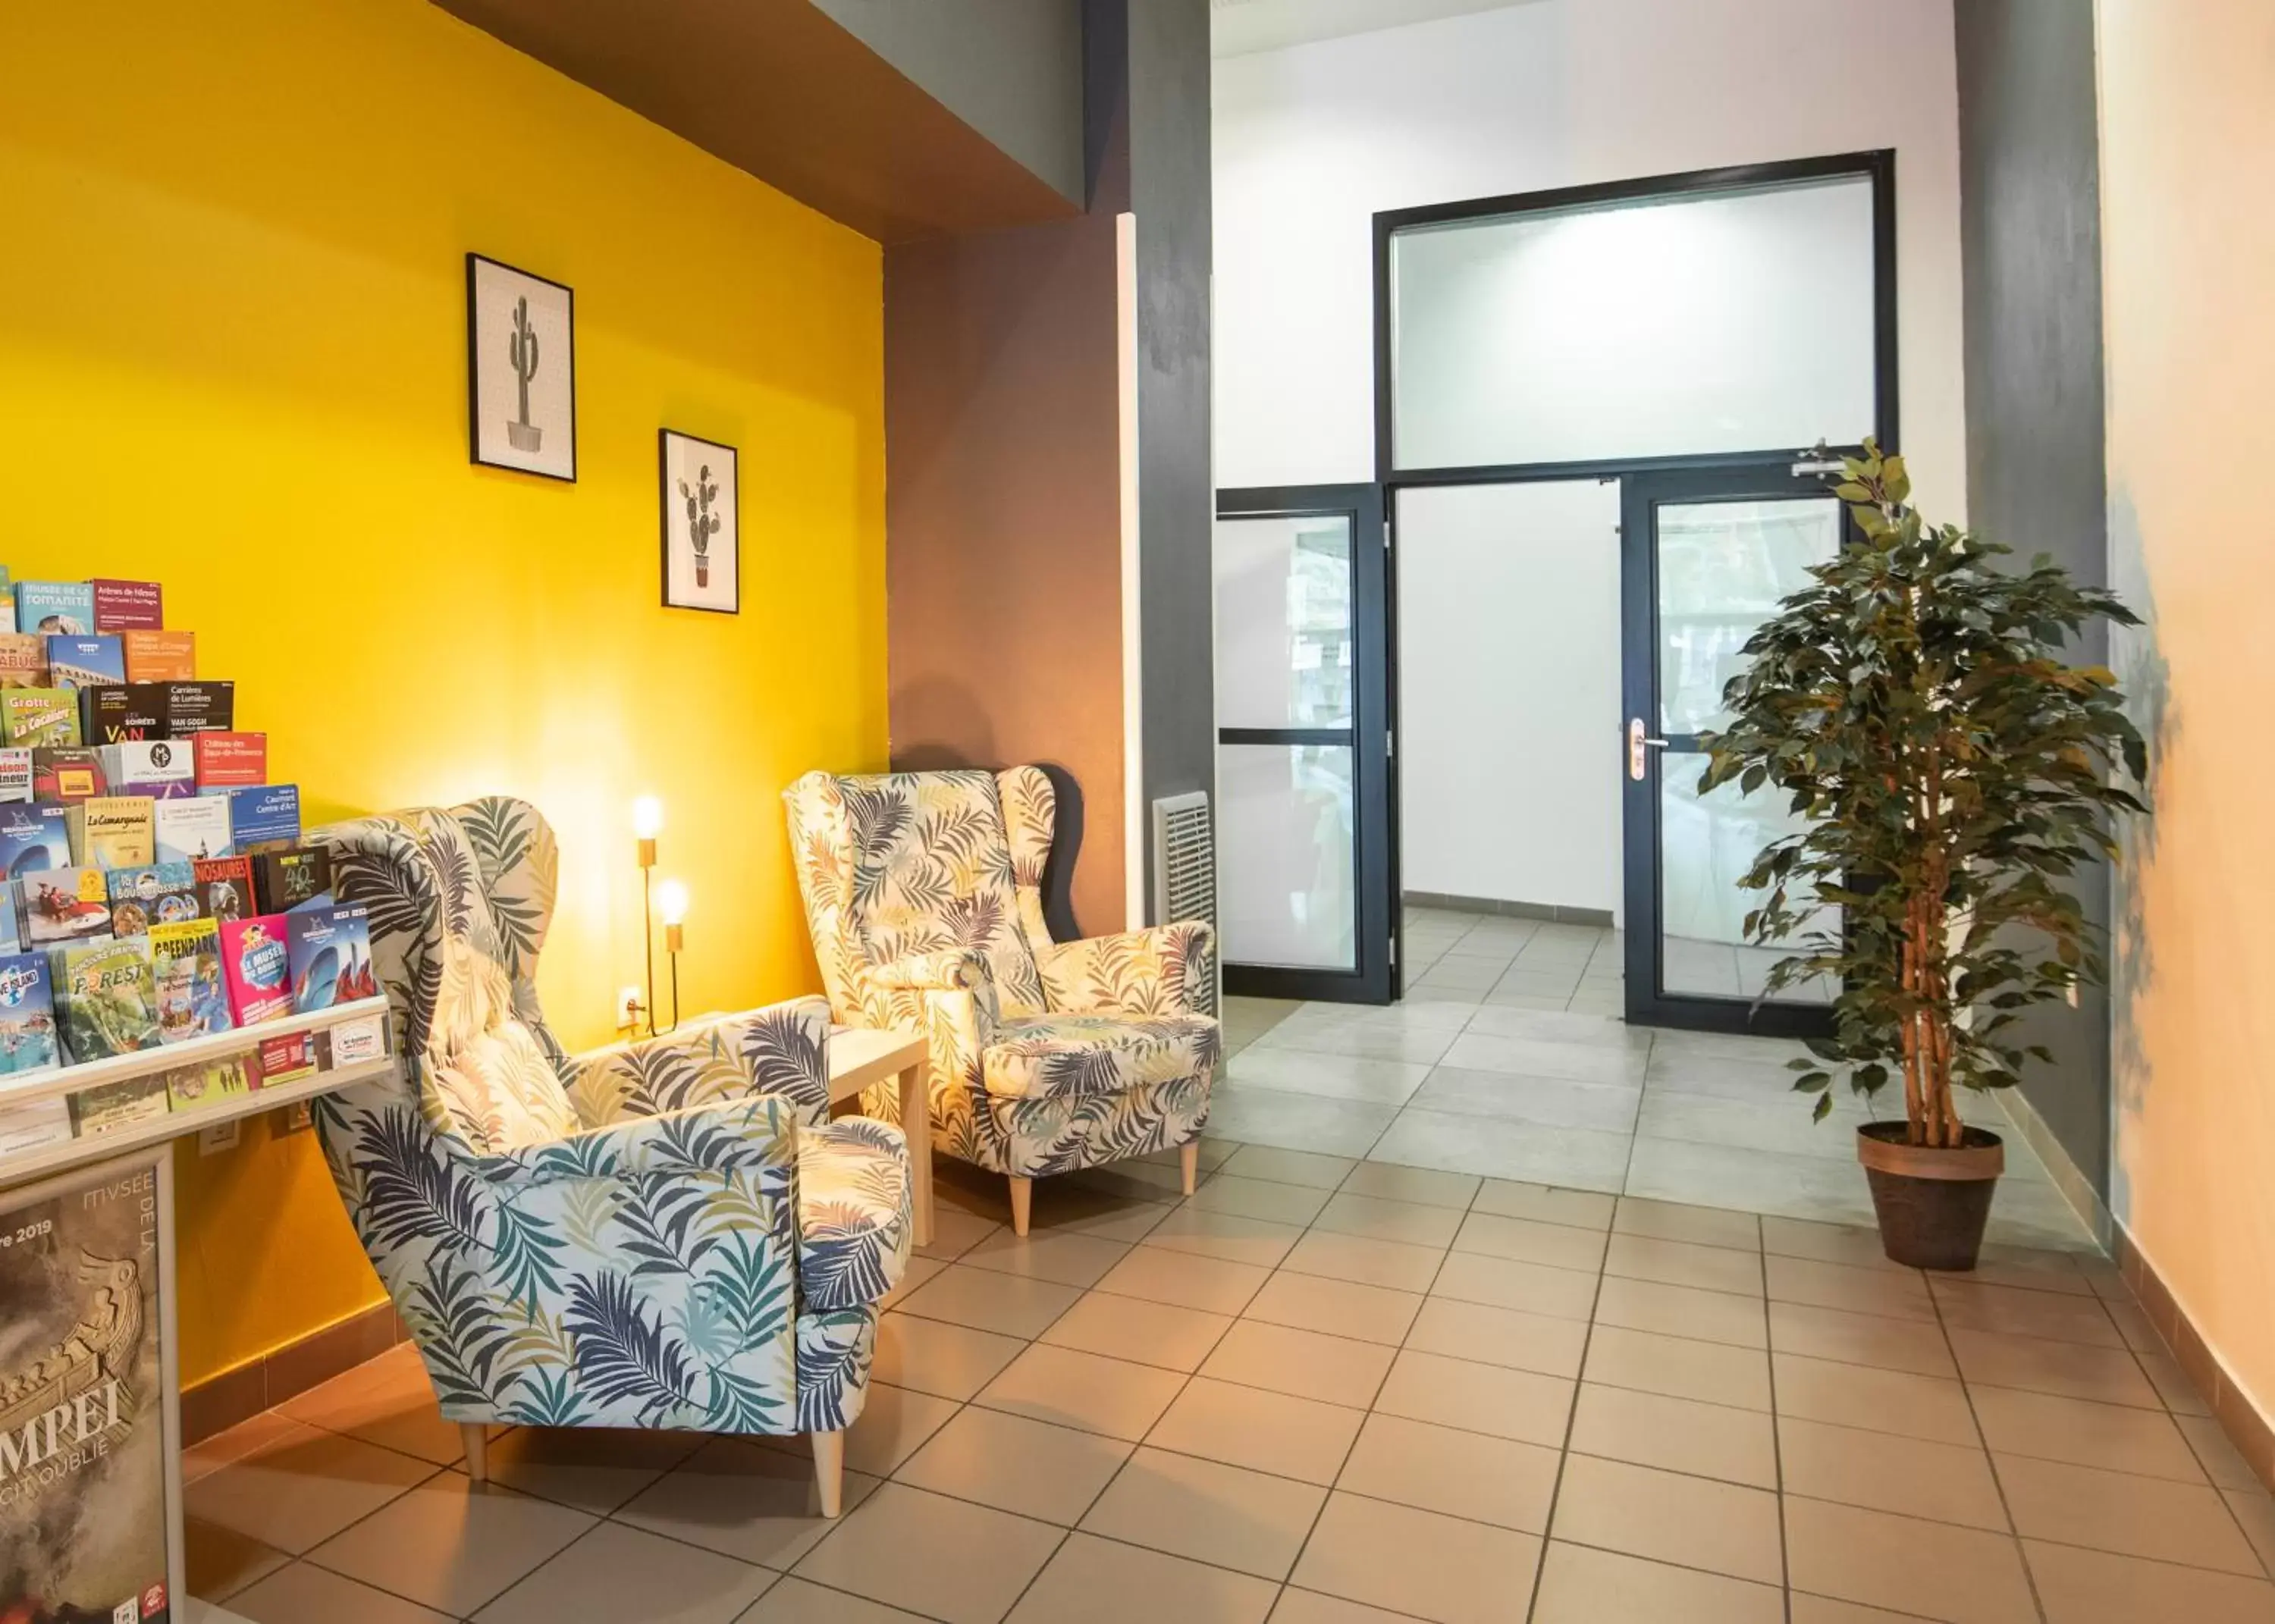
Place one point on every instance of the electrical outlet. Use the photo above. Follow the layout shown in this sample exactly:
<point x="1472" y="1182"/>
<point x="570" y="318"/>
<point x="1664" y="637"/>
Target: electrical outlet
<point x="219" y="1137"/>
<point x="295" y="1117"/>
<point x="628" y="1008"/>
<point x="2070" y="993"/>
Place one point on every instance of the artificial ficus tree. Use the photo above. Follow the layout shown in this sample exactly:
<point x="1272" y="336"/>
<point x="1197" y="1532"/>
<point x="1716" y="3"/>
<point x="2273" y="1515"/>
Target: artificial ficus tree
<point x="1951" y="771"/>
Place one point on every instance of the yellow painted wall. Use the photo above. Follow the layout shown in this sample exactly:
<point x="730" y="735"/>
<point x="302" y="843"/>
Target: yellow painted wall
<point x="232" y="357"/>
<point x="2187" y="98"/>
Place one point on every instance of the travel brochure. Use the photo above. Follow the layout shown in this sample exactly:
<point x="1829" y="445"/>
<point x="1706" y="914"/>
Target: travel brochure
<point x="154" y="888"/>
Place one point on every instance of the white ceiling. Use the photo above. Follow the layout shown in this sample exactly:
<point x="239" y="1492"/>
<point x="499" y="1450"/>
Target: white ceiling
<point x="1237" y="27"/>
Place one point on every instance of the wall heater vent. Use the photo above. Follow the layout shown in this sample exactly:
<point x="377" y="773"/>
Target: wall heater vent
<point x="1185" y="864"/>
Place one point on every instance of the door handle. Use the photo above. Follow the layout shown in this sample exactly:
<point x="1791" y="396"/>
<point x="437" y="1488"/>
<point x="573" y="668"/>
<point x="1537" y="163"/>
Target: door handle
<point x="1638" y="741"/>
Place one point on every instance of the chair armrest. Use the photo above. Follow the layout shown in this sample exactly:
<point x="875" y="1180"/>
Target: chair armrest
<point x="955" y="970"/>
<point x="750" y="1133"/>
<point x="1162" y="970"/>
<point x="854" y="1222"/>
<point x="781" y="1049"/>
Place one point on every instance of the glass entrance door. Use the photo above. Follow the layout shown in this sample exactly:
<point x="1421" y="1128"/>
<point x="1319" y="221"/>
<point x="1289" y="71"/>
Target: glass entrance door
<point x="1706" y="557"/>
<point x="1304" y="864"/>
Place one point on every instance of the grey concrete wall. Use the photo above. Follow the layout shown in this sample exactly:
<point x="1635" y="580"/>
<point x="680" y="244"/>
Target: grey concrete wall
<point x="2030" y="245"/>
<point x="1010" y="69"/>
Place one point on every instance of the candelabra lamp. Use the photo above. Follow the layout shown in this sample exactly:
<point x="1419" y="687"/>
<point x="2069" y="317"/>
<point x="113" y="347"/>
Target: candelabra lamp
<point x="647" y="823"/>
<point x="672" y="904"/>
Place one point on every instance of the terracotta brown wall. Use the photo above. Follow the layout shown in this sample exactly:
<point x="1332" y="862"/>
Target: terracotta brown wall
<point x="1003" y="525"/>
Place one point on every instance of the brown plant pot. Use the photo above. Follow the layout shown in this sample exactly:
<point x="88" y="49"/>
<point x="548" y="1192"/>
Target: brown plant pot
<point x="703" y="573"/>
<point x="1932" y="1203"/>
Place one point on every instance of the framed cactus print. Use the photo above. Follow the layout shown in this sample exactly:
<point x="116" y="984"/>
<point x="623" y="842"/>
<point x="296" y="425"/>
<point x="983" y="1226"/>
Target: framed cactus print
<point x="702" y="538"/>
<point x="521" y="371"/>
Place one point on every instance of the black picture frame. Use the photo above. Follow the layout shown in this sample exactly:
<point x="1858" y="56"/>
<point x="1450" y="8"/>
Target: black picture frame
<point x="666" y="495"/>
<point x="475" y="450"/>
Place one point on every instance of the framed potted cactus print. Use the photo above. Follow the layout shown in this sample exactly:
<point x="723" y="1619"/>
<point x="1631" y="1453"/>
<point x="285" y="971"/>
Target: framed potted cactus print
<point x="702" y="535"/>
<point x="521" y="370"/>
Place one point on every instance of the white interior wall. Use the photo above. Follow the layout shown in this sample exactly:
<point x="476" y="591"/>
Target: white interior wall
<point x="1508" y="609"/>
<point x="1311" y="140"/>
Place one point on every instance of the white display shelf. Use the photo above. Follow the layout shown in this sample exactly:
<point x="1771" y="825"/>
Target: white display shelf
<point x="42" y="1160"/>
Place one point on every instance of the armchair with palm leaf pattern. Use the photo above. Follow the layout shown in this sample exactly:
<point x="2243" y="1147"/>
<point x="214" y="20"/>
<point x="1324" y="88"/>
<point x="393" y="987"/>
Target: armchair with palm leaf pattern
<point x="924" y="895"/>
<point x="666" y="1233"/>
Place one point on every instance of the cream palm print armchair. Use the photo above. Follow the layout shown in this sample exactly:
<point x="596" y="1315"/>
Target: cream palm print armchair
<point x="665" y="1233"/>
<point x="924" y="895"/>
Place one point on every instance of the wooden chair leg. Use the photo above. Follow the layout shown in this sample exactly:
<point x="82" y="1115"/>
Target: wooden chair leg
<point x="1189" y="1164"/>
<point x="1023" y="1203"/>
<point x="829" y="1471"/>
<point x="476" y="1437"/>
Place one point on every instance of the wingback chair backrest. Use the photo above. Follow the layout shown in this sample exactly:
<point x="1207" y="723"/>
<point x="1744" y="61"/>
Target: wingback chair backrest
<point x="903" y="864"/>
<point x="460" y="900"/>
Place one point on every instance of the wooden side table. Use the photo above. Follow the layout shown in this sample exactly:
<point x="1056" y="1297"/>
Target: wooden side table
<point x="861" y="1056"/>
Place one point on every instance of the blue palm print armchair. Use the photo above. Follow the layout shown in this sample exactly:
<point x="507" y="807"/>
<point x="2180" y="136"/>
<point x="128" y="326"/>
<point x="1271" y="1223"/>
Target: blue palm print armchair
<point x="668" y="1232"/>
<point x="924" y="895"/>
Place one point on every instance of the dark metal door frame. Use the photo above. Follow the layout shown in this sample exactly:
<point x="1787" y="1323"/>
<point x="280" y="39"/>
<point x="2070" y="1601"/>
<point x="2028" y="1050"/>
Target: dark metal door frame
<point x="1373" y="791"/>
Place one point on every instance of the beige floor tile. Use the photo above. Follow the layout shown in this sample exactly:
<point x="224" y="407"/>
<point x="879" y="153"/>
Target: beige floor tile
<point x="962" y="1563"/>
<point x="302" y="1594"/>
<point x="1482" y="1398"/>
<point x="1889" y="1292"/>
<point x="1579" y="1209"/>
<point x="1583" y="1586"/>
<point x="1108" y="1582"/>
<point x="1105" y="1214"/>
<point x="2101" y="1587"/>
<point x="1069" y="1388"/>
<point x="2034" y="1269"/>
<point x="1264" y="1431"/>
<point x="1495" y="1480"/>
<point x="1876" y="1559"/>
<point x="1250" y="1521"/>
<point x="1683" y="1262"/>
<point x="1064" y="1257"/>
<point x="1411" y="1223"/>
<point x="1854" y="1395"/>
<point x="954" y="1230"/>
<point x="893" y="1426"/>
<point x="2217" y="1454"/>
<point x="1369" y="1262"/>
<point x="1310" y="1607"/>
<point x="1682" y="1311"/>
<point x="616" y="1574"/>
<point x="1050" y="1473"/>
<point x="1870" y="1339"/>
<point x="1701" y="1226"/>
<point x="1186" y="1279"/>
<point x="1712" y="1372"/>
<point x="1426" y="1185"/>
<point x="201" y="1459"/>
<point x="591" y="1469"/>
<point x="1823" y="1610"/>
<point x="918" y="1269"/>
<point x="2172" y="1385"/>
<point x="1797" y="1237"/>
<point x="1225" y="1236"/>
<point x="222" y="1561"/>
<point x="1691" y="1522"/>
<point x="935" y="1357"/>
<point x="452" y="1546"/>
<point x="794" y="1601"/>
<point x="1528" y="1240"/>
<point x="742" y="1501"/>
<point x="1677" y="1435"/>
<point x="2106" y="1375"/>
<point x="2115" y="1437"/>
<point x="1308" y="1364"/>
<point x="1264" y="1161"/>
<point x="1971" y="1306"/>
<point x="1502" y="1282"/>
<point x="2116" y="1511"/>
<point x="990" y="1300"/>
<point x="302" y="1486"/>
<point x="1505" y="1336"/>
<point x="1162" y="1333"/>
<point x="1340" y="1307"/>
<point x="1274" y="1202"/>
<point x="1419" y="1562"/>
<point x="387" y="1401"/>
<point x="1912" y="1476"/>
<point x="2254" y="1512"/>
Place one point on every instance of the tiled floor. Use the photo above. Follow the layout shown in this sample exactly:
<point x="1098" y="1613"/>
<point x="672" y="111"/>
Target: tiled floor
<point x="1420" y="1346"/>
<point x="1328" y="1391"/>
<point x="1508" y="1059"/>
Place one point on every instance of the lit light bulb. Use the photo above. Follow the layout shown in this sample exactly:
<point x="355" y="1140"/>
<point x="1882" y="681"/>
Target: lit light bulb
<point x="671" y="901"/>
<point x="647" y="816"/>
